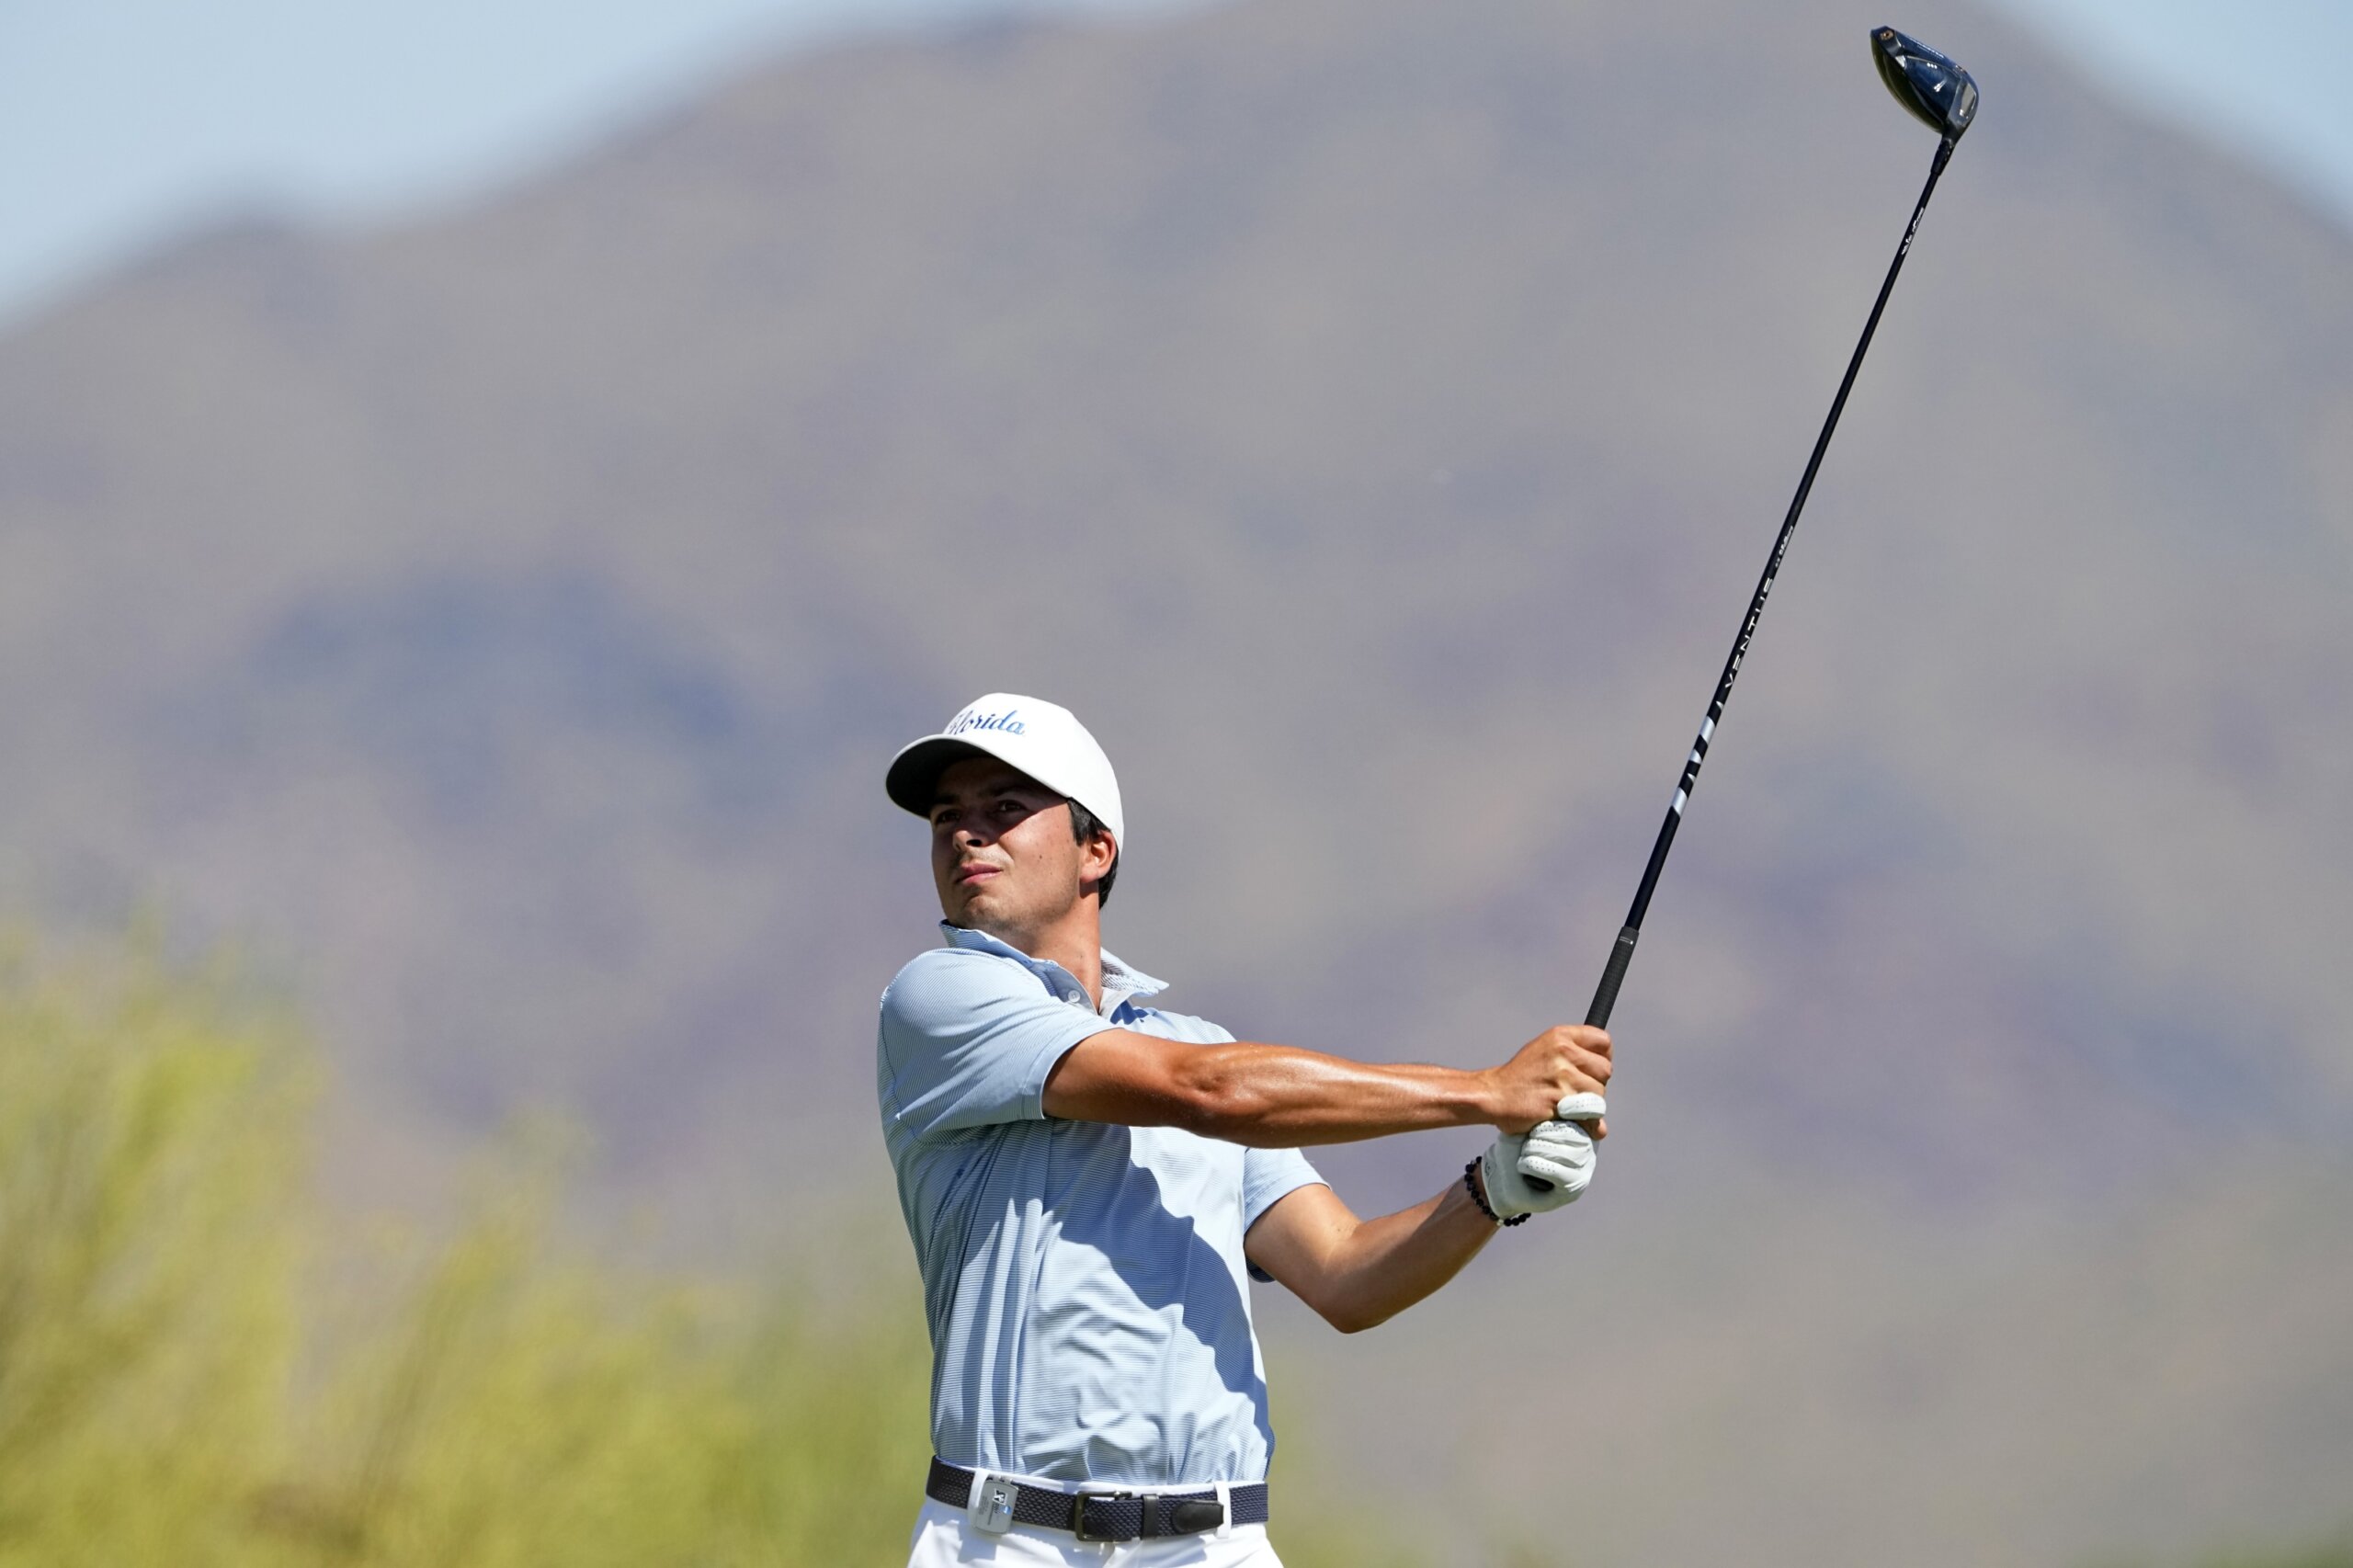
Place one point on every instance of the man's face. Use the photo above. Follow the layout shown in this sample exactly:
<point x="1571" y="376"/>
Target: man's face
<point x="1002" y="852"/>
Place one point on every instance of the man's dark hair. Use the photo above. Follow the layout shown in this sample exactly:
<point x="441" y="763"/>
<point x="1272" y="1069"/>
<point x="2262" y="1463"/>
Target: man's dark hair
<point x="1084" y="825"/>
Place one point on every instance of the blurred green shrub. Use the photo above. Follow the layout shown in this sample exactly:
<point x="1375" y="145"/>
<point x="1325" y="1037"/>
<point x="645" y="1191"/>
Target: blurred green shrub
<point x="2337" y="1552"/>
<point x="516" y="1407"/>
<point x="149" y="1128"/>
<point x="173" y="1392"/>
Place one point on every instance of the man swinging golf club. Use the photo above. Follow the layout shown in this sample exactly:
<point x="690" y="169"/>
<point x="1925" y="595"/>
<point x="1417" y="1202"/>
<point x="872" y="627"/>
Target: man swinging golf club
<point x="1088" y="1179"/>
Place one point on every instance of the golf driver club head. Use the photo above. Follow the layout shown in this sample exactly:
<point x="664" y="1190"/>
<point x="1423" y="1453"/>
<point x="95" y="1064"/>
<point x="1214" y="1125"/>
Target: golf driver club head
<point x="1939" y="93"/>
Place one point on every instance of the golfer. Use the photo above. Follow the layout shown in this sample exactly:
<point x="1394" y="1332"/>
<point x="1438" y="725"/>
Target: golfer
<point x="1090" y="1182"/>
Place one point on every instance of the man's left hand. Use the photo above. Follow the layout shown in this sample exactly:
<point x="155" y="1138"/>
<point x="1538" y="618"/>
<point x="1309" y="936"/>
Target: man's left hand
<point x="1562" y="1151"/>
<point x="1559" y="1154"/>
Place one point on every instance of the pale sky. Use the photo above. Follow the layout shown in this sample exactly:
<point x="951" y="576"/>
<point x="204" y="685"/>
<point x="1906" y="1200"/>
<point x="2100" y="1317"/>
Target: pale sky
<point x="123" y="122"/>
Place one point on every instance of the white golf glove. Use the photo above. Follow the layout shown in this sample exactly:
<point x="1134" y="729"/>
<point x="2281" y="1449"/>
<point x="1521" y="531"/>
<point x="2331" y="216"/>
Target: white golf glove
<point x="1559" y="1152"/>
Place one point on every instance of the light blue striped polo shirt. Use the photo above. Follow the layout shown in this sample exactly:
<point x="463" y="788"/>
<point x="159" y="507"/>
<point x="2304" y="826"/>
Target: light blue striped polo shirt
<point x="1085" y="1286"/>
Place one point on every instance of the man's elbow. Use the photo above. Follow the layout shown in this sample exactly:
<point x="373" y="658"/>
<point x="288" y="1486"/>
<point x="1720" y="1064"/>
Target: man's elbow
<point x="1352" y="1317"/>
<point x="1347" y="1304"/>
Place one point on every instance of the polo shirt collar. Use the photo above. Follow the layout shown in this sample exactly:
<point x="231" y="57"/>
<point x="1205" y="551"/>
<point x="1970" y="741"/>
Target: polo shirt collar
<point x="1119" y="981"/>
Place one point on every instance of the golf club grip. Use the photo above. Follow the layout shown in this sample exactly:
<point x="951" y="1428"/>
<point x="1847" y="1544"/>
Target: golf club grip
<point x="1605" y="996"/>
<point x="1613" y="975"/>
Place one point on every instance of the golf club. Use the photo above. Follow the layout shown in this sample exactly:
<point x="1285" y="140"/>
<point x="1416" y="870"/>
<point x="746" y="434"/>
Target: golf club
<point x="1944" y="96"/>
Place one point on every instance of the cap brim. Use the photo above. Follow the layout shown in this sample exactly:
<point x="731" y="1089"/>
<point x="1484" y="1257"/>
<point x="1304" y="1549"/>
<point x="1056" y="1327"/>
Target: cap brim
<point x="914" y="772"/>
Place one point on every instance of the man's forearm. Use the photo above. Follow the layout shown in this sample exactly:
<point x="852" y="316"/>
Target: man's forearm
<point x="1278" y="1097"/>
<point x="1359" y="1273"/>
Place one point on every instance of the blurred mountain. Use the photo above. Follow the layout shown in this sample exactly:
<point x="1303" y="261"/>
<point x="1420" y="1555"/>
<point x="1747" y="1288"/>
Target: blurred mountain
<point x="1372" y="418"/>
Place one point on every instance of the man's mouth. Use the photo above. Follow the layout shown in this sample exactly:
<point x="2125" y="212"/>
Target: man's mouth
<point x="975" y="872"/>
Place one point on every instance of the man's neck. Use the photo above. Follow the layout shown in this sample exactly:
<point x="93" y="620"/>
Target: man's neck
<point x="1075" y="942"/>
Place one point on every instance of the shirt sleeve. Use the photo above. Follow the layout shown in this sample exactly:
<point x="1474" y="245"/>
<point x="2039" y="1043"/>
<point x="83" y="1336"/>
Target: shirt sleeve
<point x="968" y="1040"/>
<point x="1268" y="1174"/>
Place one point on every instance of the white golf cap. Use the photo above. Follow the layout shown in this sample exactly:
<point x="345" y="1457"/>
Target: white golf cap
<point x="1042" y="740"/>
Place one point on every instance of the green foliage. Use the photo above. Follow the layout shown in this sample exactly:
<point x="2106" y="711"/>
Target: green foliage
<point x="149" y="1127"/>
<point x="2333" y="1549"/>
<point x="2337" y="1552"/>
<point x="1320" y="1522"/>
<point x="520" y="1408"/>
<point x="172" y="1390"/>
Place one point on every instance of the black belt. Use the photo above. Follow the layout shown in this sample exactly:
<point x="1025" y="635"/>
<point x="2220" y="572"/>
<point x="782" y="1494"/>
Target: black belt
<point x="1104" y="1516"/>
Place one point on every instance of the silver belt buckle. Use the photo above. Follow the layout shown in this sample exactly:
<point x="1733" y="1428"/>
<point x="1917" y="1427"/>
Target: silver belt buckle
<point x="993" y="1510"/>
<point x="1078" y="1513"/>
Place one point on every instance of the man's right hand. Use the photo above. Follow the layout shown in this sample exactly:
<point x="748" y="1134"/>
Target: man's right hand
<point x="1567" y="1059"/>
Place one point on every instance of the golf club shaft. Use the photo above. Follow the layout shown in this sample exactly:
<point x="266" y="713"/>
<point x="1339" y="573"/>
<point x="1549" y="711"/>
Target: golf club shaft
<point x="1613" y="975"/>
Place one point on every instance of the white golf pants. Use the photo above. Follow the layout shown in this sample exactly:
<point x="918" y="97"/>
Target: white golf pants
<point x="944" y="1537"/>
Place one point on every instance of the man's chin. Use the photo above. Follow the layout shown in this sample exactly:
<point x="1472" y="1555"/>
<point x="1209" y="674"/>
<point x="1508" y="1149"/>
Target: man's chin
<point x="976" y="910"/>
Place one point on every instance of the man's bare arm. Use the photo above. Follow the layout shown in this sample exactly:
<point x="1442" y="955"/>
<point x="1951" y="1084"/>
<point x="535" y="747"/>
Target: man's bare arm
<point x="1277" y="1097"/>
<point x="1357" y="1273"/>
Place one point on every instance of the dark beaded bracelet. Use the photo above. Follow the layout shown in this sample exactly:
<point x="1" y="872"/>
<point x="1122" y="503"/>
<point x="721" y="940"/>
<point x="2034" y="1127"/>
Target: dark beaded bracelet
<point x="1471" y="1181"/>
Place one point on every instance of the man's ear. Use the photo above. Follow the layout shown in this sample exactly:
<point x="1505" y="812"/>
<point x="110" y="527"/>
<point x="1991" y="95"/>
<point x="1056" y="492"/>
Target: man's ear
<point x="1095" y="858"/>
